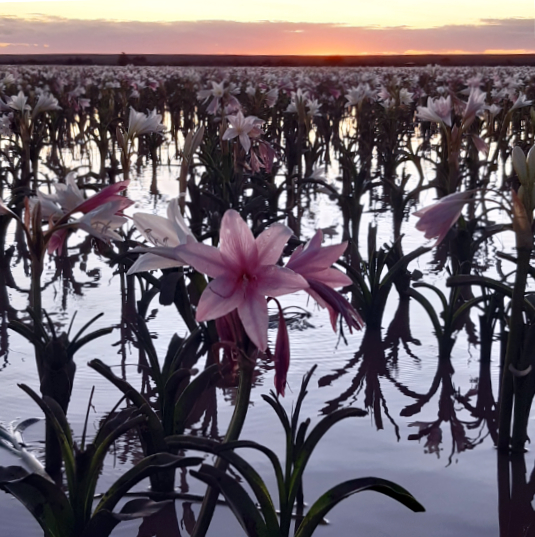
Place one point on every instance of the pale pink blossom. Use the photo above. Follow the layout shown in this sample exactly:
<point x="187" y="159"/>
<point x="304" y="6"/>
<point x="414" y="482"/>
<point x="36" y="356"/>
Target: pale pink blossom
<point x="313" y="262"/>
<point x="437" y="110"/>
<point x="244" y="128"/>
<point x="437" y="219"/>
<point x="245" y="273"/>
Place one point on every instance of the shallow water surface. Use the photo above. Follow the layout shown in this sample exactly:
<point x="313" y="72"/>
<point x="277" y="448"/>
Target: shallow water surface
<point x="451" y="470"/>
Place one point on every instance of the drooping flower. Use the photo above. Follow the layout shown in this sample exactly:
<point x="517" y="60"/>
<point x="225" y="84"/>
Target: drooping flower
<point x="165" y="234"/>
<point x="437" y="219"/>
<point x="69" y="200"/>
<point x="313" y="262"/>
<point x="245" y="273"/>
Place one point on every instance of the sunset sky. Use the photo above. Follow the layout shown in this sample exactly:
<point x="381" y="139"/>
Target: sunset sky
<point x="267" y="27"/>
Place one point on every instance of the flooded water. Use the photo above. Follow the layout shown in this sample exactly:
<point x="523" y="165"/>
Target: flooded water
<point x="431" y="423"/>
<point x="451" y="469"/>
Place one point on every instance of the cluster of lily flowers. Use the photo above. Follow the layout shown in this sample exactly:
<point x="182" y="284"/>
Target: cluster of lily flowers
<point x="245" y="273"/>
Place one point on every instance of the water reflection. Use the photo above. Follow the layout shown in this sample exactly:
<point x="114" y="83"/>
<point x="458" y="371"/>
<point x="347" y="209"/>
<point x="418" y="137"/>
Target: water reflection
<point x="516" y="492"/>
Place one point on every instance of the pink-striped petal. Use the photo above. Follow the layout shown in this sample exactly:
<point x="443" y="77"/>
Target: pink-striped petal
<point x="333" y="278"/>
<point x="107" y="194"/>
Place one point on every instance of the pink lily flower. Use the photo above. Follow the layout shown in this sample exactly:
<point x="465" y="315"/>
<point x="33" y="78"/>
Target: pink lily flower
<point x="245" y="273"/>
<point x="437" y="219"/>
<point x="314" y="262"/>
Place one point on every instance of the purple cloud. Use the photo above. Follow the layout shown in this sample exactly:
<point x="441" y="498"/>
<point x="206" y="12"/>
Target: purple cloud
<point x="59" y="35"/>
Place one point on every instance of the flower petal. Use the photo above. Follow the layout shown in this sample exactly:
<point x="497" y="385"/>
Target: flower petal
<point x="237" y="244"/>
<point x="271" y="242"/>
<point x="220" y="297"/>
<point x="253" y="314"/>
<point x="156" y="229"/>
<point x="150" y="261"/>
<point x="333" y="278"/>
<point x="277" y="281"/>
<point x="204" y="258"/>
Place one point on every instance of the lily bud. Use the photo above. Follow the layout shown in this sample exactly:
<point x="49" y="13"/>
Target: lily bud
<point x="525" y="170"/>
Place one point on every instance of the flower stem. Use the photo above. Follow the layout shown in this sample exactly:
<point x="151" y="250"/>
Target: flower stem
<point x="514" y="344"/>
<point x="233" y="433"/>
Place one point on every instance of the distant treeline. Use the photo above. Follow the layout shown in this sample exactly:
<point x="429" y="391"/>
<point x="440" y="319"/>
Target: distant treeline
<point x="268" y="61"/>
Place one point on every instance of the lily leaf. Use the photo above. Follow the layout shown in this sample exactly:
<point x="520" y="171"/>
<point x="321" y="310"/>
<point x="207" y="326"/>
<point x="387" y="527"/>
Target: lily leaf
<point x="338" y="493"/>
<point x="237" y="498"/>
<point x="103" y="523"/>
<point x="43" y="499"/>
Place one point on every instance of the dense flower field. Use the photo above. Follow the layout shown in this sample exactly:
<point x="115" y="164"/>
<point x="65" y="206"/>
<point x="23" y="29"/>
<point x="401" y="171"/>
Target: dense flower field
<point x="429" y="176"/>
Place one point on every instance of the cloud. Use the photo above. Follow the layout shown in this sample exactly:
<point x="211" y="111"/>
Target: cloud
<point x="227" y="37"/>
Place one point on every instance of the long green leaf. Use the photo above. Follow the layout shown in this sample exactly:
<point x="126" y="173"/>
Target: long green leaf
<point x="143" y="469"/>
<point x="403" y="263"/>
<point x="104" y="522"/>
<point x="189" y="397"/>
<point x="302" y="394"/>
<point x="76" y="345"/>
<point x="153" y="421"/>
<point x="42" y="498"/>
<point x="63" y="433"/>
<point x="311" y="442"/>
<point x="237" y="498"/>
<point x="429" y="309"/>
<point x="335" y="495"/>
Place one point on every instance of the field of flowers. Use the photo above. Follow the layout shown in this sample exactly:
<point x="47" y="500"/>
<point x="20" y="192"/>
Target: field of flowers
<point x="175" y="243"/>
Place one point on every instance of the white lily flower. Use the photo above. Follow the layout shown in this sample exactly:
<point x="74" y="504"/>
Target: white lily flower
<point x="102" y="221"/>
<point x="67" y="197"/>
<point x="437" y="110"/>
<point x="244" y="128"/>
<point x="140" y="123"/>
<point x="45" y="103"/>
<point x="520" y="102"/>
<point x="18" y="103"/>
<point x="165" y="234"/>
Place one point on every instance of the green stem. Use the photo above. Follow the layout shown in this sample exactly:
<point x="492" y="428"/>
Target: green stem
<point x="516" y="329"/>
<point x="233" y="433"/>
<point x="36" y="304"/>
